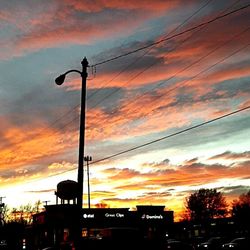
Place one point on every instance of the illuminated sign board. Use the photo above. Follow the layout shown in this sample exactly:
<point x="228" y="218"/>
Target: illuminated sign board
<point x="114" y="215"/>
<point x="152" y="217"/>
<point x="88" y="216"/>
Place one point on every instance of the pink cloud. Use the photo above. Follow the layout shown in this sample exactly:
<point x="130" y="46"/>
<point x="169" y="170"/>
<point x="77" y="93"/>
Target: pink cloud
<point x="232" y="156"/>
<point x="145" y="5"/>
<point x="75" y="30"/>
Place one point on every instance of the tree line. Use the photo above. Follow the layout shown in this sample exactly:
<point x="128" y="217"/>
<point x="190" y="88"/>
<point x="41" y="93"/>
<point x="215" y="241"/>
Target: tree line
<point x="23" y="214"/>
<point x="200" y="206"/>
<point x="206" y="204"/>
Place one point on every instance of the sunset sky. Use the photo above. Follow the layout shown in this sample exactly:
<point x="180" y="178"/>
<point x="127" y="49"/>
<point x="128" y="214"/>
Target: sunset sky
<point x="195" y="67"/>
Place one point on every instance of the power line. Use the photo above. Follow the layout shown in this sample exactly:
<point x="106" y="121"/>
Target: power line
<point x="162" y="138"/>
<point x="200" y="25"/>
<point x="154" y="63"/>
<point x="223" y="59"/>
<point x="171" y="37"/>
<point x="69" y="111"/>
<point x="172" y="135"/>
<point x="151" y="64"/>
<point x="138" y="97"/>
<point x="160" y="42"/>
<point x="137" y="59"/>
<point x="199" y="73"/>
<point x="74" y="108"/>
<point x="145" y="53"/>
<point x="180" y="71"/>
<point x="177" y="133"/>
<point x="65" y="125"/>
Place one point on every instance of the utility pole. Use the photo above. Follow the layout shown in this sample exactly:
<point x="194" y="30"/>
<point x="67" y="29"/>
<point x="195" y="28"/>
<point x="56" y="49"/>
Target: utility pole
<point x="88" y="159"/>
<point x="59" y="81"/>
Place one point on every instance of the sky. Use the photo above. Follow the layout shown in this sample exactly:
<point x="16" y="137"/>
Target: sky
<point x="160" y="74"/>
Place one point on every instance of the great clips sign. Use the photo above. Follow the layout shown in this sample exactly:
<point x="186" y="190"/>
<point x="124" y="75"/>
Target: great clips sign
<point x="114" y="215"/>
<point x="105" y="214"/>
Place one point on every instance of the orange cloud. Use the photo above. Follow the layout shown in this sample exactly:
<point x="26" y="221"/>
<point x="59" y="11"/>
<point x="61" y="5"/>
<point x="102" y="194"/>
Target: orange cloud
<point x="25" y="149"/>
<point x="174" y="103"/>
<point x="160" y="185"/>
<point x="139" y="115"/>
<point x="172" y="176"/>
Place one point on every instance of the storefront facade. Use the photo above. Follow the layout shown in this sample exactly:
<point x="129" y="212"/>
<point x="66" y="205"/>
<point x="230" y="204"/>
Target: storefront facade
<point x="59" y="223"/>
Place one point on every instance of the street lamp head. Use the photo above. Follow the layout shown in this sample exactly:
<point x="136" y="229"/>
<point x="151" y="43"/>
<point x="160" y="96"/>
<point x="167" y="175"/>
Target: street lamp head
<point x="60" y="79"/>
<point x="85" y="62"/>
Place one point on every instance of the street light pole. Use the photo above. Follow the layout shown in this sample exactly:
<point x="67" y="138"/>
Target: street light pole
<point x="88" y="159"/>
<point x="84" y="76"/>
<point x="59" y="81"/>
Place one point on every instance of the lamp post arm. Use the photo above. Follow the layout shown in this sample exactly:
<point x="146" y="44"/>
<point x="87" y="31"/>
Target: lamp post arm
<point x="73" y="70"/>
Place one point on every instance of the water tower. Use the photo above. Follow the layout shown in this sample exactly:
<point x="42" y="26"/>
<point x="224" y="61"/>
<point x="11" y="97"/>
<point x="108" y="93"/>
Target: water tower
<point x="67" y="191"/>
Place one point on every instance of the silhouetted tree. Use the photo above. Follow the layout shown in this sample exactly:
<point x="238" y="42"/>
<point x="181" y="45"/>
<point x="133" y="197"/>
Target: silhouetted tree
<point x="241" y="210"/>
<point x="4" y="214"/>
<point x="185" y="216"/>
<point x="206" y="204"/>
<point x="24" y="213"/>
<point x="38" y="206"/>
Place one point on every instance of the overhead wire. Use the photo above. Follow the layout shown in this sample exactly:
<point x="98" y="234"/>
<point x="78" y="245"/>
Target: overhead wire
<point x="160" y="139"/>
<point x="147" y="51"/>
<point x="155" y="62"/>
<point x="139" y="96"/>
<point x="210" y="67"/>
<point x="175" y="29"/>
<point x="155" y="43"/>
<point x="191" y="65"/>
<point x="177" y="35"/>
<point x="234" y="112"/>
<point x="88" y="97"/>
<point x="199" y="73"/>
<point x="171" y="37"/>
<point x="172" y="135"/>
<point x="165" y="37"/>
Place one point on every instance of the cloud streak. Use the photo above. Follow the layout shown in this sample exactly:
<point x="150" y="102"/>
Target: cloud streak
<point x="181" y="82"/>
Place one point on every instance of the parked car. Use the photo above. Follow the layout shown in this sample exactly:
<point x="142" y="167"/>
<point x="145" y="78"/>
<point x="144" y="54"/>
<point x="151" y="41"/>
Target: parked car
<point x="178" y="245"/>
<point x="3" y="244"/>
<point x="242" y="243"/>
<point x="196" y="241"/>
<point x="213" y="243"/>
<point x="50" y="248"/>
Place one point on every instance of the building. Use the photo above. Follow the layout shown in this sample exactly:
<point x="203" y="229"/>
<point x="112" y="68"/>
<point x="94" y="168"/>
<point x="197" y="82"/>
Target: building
<point x="63" y="223"/>
<point x="59" y="223"/>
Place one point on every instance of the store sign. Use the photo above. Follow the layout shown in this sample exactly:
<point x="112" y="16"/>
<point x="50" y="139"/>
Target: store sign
<point x="88" y="216"/>
<point x="114" y="215"/>
<point x="152" y="217"/>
